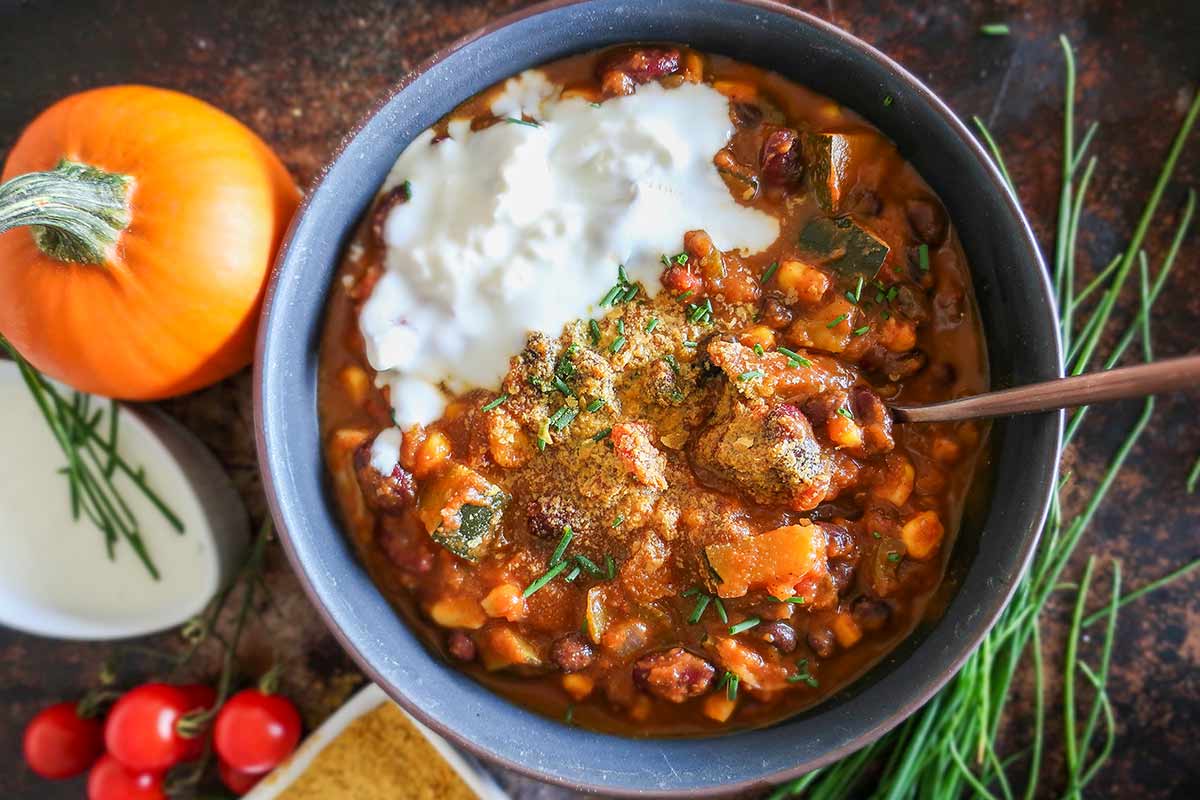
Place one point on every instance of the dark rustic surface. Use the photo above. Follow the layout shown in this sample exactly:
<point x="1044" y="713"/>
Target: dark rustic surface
<point x="302" y="73"/>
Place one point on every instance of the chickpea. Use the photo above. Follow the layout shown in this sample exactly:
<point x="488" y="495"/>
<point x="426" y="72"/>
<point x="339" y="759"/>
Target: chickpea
<point x="846" y="630"/>
<point x="737" y="91"/>
<point x="505" y="601"/>
<point x="898" y="335"/>
<point x="945" y="450"/>
<point x="507" y="443"/>
<point x="589" y="93"/>
<point x="642" y="706"/>
<point x="357" y="384"/>
<point x="458" y="612"/>
<point x="898" y="480"/>
<point x="577" y="685"/>
<point x="432" y="453"/>
<point x="844" y="432"/>
<point x="922" y="535"/>
<point x="801" y="280"/>
<point x="718" y="707"/>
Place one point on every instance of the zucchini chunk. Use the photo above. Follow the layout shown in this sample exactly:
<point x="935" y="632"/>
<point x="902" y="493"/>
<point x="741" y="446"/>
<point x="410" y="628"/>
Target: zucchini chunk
<point x="832" y="160"/>
<point x="845" y="246"/>
<point x="462" y="510"/>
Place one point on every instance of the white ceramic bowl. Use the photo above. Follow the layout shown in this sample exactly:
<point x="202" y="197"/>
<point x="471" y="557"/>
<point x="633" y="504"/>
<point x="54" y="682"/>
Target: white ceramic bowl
<point x="56" y="579"/>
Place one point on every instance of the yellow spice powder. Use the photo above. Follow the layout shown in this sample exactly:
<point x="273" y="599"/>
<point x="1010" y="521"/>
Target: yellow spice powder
<point x="379" y="756"/>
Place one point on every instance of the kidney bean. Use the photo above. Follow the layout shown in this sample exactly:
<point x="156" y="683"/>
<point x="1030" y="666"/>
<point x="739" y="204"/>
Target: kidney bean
<point x="674" y="674"/>
<point x="781" y="160"/>
<point x="461" y="646"/>
<point x="572" y="652"/>
<point x="927" y="220"/>
<point x="779" y="635"/>
<point x="391" y="492"/>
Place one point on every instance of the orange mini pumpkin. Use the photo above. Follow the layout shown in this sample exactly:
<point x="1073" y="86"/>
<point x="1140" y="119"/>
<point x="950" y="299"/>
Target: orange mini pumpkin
<point x="139" y="228"/>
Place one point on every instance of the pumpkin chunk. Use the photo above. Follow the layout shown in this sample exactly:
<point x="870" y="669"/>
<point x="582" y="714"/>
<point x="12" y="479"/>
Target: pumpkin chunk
<point x="775" y="561"/>
<point x="833" y="161"/>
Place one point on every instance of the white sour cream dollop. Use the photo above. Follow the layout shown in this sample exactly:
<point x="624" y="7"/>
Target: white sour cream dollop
<point x="516" y="228"/>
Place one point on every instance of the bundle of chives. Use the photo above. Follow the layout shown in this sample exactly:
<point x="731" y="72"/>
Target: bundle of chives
<point x="948" y="748"/>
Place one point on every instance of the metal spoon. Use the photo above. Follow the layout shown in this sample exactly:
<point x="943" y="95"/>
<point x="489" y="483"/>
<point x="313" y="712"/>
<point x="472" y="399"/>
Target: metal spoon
<point x="1096" y="387"/>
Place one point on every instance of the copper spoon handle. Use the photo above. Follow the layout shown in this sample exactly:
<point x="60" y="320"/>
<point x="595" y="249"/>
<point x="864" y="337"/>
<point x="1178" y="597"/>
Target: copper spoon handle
<point x="1095" y="387"/>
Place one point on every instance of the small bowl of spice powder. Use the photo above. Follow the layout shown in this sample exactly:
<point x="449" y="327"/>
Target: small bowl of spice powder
<point x="371" y="749"/>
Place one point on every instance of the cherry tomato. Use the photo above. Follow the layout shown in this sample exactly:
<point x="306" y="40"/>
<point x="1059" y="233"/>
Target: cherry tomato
<point x="237" y="781"/>
<point x="256" y="731"/>
<point x="140" y="731"/>
<point x="111" y="780"/>
<point x="61" y="744"/>
<point x="200" y="697"/>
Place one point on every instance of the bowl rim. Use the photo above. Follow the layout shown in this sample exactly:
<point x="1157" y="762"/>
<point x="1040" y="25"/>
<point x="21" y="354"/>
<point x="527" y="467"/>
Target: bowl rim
<point x="983" y="622"/>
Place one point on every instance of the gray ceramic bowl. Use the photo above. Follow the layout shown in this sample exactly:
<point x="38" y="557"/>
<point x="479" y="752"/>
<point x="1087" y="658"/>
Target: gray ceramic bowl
<point x="991" y="551"/>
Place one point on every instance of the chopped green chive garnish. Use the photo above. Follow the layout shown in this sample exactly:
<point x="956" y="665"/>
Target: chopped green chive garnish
<point x="499" y="401"/>
<point x="879" y="297"/>
<point x="549" y="575"/>
<point x="563" y="417"/>
<point x="770" y="271"/>
<point x="610" y="566"/>
<point x="701" y="603"/>
<point x="858" y="289"/>
<point x="923" y="257"/>
<point x="795" y="358"/>
<point x="841" y="318"/>
<point x="803" y="674"/>
<point x="844" y="412"/>
<point x="695" y="590"/>
<point x="744" y="625"/>
<point x="681" y="259"/>
<point x="622" y="275"/>
<point x="892" y="292"/>
<point x="666" y="261"/>
<point x="861" y="331"/>
<point x="621" y="327"/>
<point x="671" y="362"/>
<point x="604" y="434"/>
<point x="617" y="344"/>
<point x="893" y="556"/>
<point x="543" y="436"/>
<point x="886" y="315"/>
<point x="750" y="375"/>
<point x="611" y="297"/>
<point x="994" y="29"/>
<point x="567" y="536"/>
<point x="652" y="324"/>
<point x="572" y="575"/>
<point x="797" y="600"/>
<point x="729" y="681"/>
<point x="684" y="295"/>
<point x="630" y="293"/>
<point x="758" y="351"/>
<point x="562" y="386"/>
<point x="569" y="716"/>
<point x="518" y="121"/>
<point x="721" y="610"/>
<point x="594" y="330"/>
<point x="619" y="519"/>
<point x="589" y="566"/>
<point x="877" y="534"/>
<point x="690" y="343"/>
<point x="887" y="101"/>
<point x="595" y="405"/>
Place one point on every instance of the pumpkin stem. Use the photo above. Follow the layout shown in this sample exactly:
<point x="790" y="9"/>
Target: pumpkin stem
<point x="76" y="212"/>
